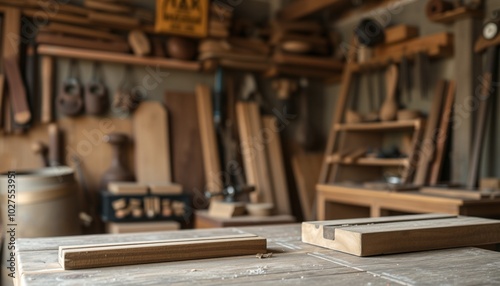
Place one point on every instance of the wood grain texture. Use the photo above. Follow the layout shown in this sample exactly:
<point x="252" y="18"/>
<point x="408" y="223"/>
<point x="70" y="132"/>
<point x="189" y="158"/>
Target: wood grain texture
<point x="293" y="262"/>
<point x="152" y="146"/>
<point x="211" y="158"/>
<point x="427" y="148"/>
<point x="185" y="141"/>
<point x="93" y="256"/>
<point x="399" y="234"/>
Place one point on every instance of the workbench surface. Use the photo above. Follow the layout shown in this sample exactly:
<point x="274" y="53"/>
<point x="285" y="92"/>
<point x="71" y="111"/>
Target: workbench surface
<point x="293" y="262"/>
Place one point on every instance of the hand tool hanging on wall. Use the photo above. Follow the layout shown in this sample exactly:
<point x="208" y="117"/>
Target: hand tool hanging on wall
<point x="70" y="98"/>
<point x="96" y="93"/>
<point x="488" y="89"/>
<point x="127" y="98"/>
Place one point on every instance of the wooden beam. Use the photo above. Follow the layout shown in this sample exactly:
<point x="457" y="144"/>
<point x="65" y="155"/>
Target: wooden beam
<point x="128" y="59"/>
<point x="133" y="253"/>
<point x="301" y="8"/>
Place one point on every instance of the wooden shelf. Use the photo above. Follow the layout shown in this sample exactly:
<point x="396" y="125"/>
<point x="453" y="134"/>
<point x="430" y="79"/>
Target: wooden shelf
<point x="435" y="46"/>
<point x="451" y="16"/>
<point x="111" y="57"/>
<point x="376" y="162"/>
<point x="381" y="126"/>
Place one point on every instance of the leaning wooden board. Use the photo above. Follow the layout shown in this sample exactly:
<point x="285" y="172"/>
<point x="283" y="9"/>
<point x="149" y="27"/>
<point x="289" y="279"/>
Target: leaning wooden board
<point x="306" y="169"/>
<point x="185" y="141"/>
<point x="398" y="234"/>
<point x="152" y="155"/>
<point x="133" y="253"/>
<point x="211" y="159"/>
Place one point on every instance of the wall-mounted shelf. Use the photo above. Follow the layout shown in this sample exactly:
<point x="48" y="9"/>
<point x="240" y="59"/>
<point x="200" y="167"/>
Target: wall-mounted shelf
<point x="436" y="45"/>
<point x="74" y="53"/>
<point x="451" y="16"/>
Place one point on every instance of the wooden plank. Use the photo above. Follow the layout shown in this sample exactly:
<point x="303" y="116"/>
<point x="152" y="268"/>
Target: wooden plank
<point x="367" y="237"/>
<point x="301" y="8"/>
<point x="455" y="193"/>
<point x="427" y="148"/>
<point x="113" y="20"/>
<point x="47" y="82"/>
<point x="127" y="188"/>
<point x="276" y="165"/>
<point x="59" y="17"/>
<point x="103" y="56"/>
<point x="81" y="257"/>
<point x="135" y="227"/>
<point x="442" y="134"/>
<point x="247" y="151"/>
<point x="308" y="61"/>
<point x="107" y="7"/>
<point x="80" y="31"/>
<point x="11" y="33"/>
<point x="400" y="33"/>
<point x="185" y="141"/>
<point x="152" y="146"/>
<point x="467" y="71"/>
<point x="165" y="189"/>
<point x="17" y="91"/>
<point x="253" y="148"/>
<point x="82" y="43"/>
<point x="211" y="159"/>
<point x="306" y="169"/>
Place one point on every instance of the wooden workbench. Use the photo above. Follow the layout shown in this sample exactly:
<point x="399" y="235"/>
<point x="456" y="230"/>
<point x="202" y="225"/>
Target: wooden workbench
<point x="293" y="262"/>
<point x="339" y="202"/>
<point x="203" y="220"/>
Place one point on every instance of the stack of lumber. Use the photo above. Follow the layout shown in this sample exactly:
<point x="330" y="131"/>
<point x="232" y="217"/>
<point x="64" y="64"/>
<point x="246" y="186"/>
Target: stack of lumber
<point x="221" y="49"/>
<point x="303" y="48"/>
<point x="95" y="25"/>
<point x="262" y="157"/>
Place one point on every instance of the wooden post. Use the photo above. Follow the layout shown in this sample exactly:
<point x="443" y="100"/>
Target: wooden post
<point x="467" y="71"/>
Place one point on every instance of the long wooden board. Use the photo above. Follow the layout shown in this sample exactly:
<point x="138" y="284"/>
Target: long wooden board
<point x="306" y="170"/>
<point x="104" y="255"/>
<point x="152" y="146"/>
<point x="398" y="234"/>
<point x="211" y="159"/>
<point x="276" y="165"/>
<point x="253" y="150"/>
<point x="427" y="148"/>
<point x="301" y="8"/>
<point x="82" y="43"/>
<point x="185" y="141"/>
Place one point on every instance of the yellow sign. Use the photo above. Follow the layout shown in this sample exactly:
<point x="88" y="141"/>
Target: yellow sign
<point x="182" y="17"/>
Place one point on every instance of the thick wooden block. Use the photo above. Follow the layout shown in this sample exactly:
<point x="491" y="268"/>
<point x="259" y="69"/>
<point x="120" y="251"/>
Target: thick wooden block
<point x="398" y="234"/>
